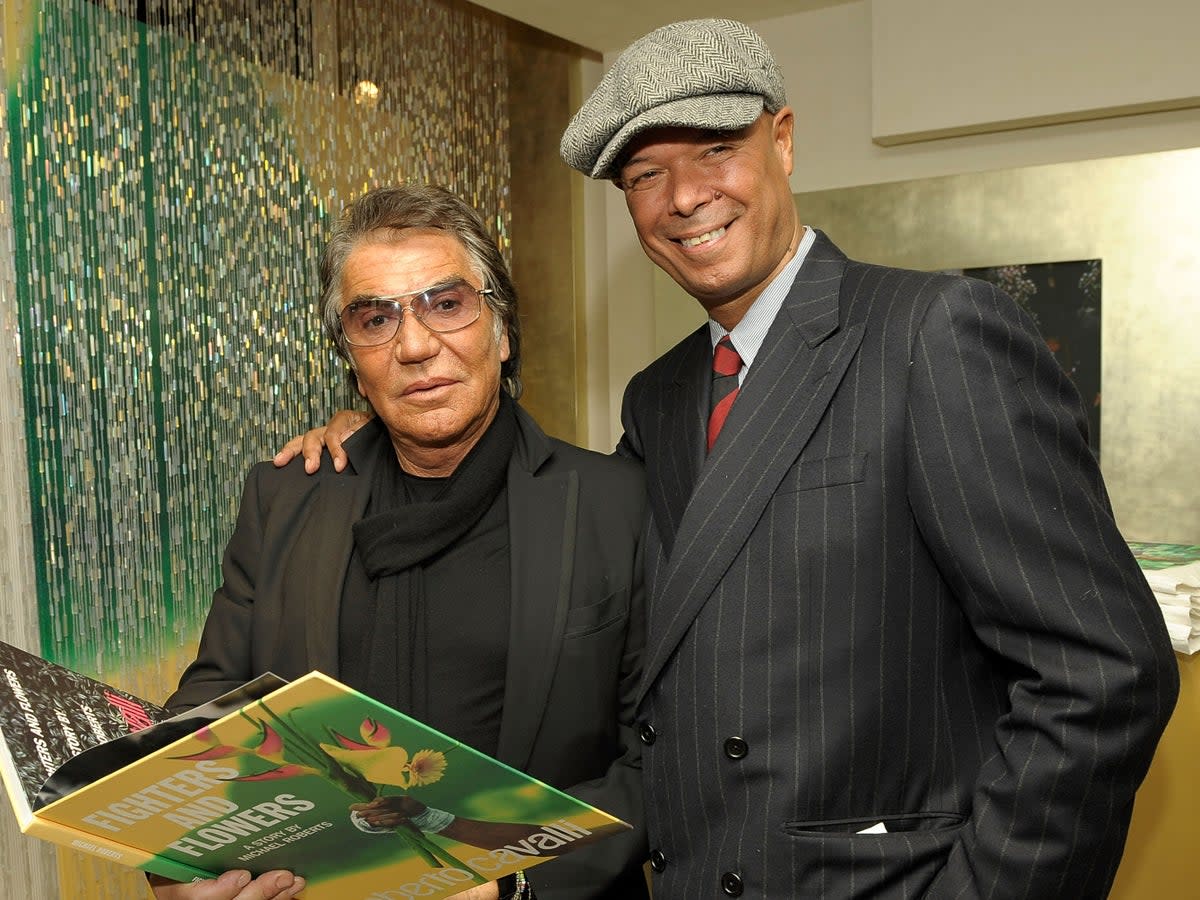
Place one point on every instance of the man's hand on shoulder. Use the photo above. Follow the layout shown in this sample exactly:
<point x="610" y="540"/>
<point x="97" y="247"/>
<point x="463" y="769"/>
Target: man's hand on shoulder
<point x="343" y="423"/>
<point x="234" y="885"/>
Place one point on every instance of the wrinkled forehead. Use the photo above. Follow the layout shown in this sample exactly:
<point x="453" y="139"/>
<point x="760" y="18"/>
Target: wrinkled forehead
<point x="390" y="262"/>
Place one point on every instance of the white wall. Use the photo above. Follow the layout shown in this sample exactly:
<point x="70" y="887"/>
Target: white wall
<point x="1023" y="62"/>
<point x="827" y="59"/>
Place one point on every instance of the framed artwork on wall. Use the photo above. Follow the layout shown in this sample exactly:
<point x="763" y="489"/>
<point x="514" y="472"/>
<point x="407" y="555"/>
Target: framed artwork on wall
<point x="1063" y="299"/>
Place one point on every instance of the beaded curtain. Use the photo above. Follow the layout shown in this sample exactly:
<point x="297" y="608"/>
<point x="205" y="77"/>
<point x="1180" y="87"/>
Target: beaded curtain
<point x="169" y="174"/>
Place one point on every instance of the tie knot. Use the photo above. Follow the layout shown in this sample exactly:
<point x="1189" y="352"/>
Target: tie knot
<point x="725" y="359"/>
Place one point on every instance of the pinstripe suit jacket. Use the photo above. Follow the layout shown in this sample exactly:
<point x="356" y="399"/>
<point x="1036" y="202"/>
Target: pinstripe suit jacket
<point x="894" y="593"/>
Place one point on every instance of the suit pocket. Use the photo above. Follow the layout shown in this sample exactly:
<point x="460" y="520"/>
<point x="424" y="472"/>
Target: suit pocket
<point x="921" y="821"/>
<point x="904" y="862"/>
<point x="826" y="472"/>
<point x="585" y="620"/>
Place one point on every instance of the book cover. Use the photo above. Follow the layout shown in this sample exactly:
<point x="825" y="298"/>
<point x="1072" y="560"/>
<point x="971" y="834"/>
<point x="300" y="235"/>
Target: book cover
<point x="271" y="784"/>
<point x="1154" y="557"/>
<point x="49" y="714"/>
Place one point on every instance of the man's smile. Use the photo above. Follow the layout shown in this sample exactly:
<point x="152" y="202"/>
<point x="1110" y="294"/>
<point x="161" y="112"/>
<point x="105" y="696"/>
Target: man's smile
<point x="702" y="239"/>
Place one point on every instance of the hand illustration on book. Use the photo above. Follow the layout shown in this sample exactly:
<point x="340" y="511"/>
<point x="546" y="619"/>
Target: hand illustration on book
<point x="386" y="814"/>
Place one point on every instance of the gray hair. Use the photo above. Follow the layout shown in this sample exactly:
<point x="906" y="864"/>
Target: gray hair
<point x="385" y="211"/>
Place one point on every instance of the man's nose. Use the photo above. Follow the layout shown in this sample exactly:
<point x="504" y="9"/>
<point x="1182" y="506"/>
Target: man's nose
<point x="413" y="342"/>
<point x="690" y="192"/>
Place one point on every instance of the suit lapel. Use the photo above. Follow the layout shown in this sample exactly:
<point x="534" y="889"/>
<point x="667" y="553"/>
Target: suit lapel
<point x="326" y="543"/>
<point x="683" y="409"/>
<point x="785" y="394"/>
<point x="542" y="525"/>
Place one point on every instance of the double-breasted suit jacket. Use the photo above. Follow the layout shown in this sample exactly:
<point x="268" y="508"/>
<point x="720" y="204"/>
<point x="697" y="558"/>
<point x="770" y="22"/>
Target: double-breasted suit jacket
<point x="576" y="635"/>
<point x="893" y="596"/>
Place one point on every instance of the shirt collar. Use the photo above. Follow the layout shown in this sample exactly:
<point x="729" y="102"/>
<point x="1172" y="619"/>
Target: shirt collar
<point x="749" y="334"/>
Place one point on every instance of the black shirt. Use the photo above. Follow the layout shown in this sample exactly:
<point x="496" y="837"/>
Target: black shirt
<point x="459" y="627"/>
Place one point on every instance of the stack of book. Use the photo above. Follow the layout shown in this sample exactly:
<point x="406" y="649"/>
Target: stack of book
<point x="1173" y="571"/>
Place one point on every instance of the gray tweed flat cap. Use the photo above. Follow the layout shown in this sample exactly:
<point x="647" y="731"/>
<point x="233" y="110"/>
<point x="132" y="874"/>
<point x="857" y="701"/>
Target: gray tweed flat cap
<point x="703" y="73"/>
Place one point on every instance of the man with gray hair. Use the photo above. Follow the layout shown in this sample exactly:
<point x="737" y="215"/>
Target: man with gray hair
<point x="463" y="566"/>
<point x="896" y="645"/>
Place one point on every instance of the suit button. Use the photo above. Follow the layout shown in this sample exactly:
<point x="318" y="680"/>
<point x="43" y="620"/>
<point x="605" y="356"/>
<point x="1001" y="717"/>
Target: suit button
<point x="731" y="884"/>
<point x="647" y="733"/>
<point x="658" y="860"/>
<point x="736" y="748"/>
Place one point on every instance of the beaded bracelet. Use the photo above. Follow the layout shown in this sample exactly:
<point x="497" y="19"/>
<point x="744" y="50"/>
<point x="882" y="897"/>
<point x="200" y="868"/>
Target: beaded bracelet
<point x="516" y="887"/>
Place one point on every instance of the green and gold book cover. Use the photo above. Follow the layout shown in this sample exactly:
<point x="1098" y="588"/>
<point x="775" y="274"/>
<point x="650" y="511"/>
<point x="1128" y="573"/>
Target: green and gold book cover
<point x="363" y="801"/>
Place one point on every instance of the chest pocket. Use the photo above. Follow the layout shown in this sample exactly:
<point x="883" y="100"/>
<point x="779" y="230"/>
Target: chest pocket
<point x="827" y="472"/>
<point x="586" y="620"/>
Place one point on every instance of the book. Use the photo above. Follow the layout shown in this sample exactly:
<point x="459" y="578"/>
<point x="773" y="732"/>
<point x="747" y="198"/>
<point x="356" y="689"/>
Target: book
<point x="265" y="778"/>
<point x="1173" y="573"/>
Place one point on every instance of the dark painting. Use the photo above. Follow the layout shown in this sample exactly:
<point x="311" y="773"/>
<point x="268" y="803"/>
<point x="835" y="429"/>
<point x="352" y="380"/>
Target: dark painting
<point x="1064" y="300"/>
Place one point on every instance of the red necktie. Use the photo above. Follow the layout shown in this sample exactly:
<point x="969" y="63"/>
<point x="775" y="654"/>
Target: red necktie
<point x="726" y="365"/>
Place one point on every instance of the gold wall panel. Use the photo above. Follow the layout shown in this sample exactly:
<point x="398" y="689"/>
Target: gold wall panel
<point x="1137" y="214"/>
<point x="542" y="239"/>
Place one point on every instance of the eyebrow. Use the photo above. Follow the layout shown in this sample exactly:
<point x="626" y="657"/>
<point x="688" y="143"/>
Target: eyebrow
<point x="449" y="281"/>
<point x="707" y="136"/>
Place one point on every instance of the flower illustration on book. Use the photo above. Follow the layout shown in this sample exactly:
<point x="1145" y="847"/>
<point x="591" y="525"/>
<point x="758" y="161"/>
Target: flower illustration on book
<point x="360" y="768"/>
<point x="380" y="761"/>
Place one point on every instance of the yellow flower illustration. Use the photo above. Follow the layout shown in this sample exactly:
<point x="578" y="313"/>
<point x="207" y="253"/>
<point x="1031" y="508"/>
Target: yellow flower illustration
<point x="380" y="765"/>
<point x="427" y="766"/>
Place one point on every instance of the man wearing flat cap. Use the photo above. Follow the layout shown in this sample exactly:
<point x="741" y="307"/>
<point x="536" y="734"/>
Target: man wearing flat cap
<point x="897" y="645"/>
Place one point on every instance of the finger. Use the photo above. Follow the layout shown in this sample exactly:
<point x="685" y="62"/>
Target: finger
<point x="383" y="820"/>
<point x="312" y="444"/>
<point x="226" y="887"/>
<point x="344" y="423"/>
<point x="334" y="443"/>
<point x="277" y="885"/>
<point x="288" y="452"/>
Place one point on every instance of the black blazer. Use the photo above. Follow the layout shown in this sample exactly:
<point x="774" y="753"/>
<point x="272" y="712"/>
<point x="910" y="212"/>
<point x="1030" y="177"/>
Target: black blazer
<point x="893" y="593"/>
<point x="575" y="640"/>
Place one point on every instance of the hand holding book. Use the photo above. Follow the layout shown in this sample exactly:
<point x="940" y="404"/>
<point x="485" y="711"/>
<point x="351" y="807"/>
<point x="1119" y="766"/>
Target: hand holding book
<point x="234" y="885"/>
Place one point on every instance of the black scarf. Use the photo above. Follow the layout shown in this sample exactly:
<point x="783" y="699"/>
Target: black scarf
<point x="396" y="537"/>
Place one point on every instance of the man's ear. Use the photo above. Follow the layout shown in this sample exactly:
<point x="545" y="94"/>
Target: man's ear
<point x="781" y="133"/>
<point x="355" y="382"/>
